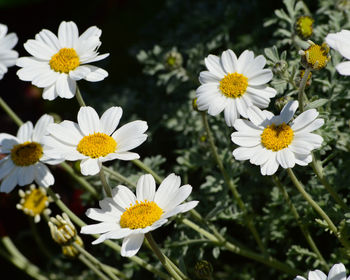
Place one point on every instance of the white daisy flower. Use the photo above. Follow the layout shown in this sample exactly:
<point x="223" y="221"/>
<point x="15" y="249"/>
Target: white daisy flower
<point x="232" y="85"/>
<point x="130" y="217"/>
<point x="26" y="156"/>
<point x="58" y="62"/>
<point x="8" y="57"/>
<point x="340" y="41"/>
<point x="337" y="272"/>
<point x="270" y="141"/>
<point x="93" y="140"/>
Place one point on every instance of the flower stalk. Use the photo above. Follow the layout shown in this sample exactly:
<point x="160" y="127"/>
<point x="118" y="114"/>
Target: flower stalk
<point x="302" y="89"/>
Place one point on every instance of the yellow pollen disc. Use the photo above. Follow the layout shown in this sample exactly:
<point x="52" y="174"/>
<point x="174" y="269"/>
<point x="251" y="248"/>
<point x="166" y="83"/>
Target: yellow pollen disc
<point x="304" y="26"/>
<point x="65" y="60"/>
<point x="35" y="201"/>
<point x="97" y="145"/>
<point x="141" y="215"/>
<point x="277" y="137"/>
<point x="26" y="154"/>
<point x="234" y="85"/>
<point x="317" y="56"/>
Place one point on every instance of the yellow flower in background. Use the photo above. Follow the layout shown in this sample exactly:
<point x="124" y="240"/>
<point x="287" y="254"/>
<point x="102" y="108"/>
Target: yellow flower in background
<point x="304" y="27"/>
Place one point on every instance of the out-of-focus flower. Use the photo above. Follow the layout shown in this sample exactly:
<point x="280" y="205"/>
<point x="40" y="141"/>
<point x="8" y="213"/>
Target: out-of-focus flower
<point x="8" y="56"/>
<point x="93" y="140"/>
<point x="270" y="141"/>
<point x="130" y="217"/>
<point x="337" y="272"/>
<point x="26" y="156"/>
<point x="340" y="41"/>
<point x="173" y="59"/>
<point x="233" y="85"/>
<point x="34" y="202"/>
<point x="203" y="270"/>
<point x="58" y="62"/>
<point x="316" y="56"/>
<point x="303" y="26"/>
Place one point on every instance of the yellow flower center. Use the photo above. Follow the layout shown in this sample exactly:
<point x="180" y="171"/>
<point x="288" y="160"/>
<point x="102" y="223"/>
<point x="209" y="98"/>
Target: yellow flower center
<point x="317" y="56"/>
<point x="140" y="215"/>
<point x="65" y="60"/>
<point x="304" y="26"/>
<point x="35" y="202"/>
<point x="26" y="154"/>
<point x="234" y="85"/>
<point x="97" y="145"/>
<point x="277" y="137"/>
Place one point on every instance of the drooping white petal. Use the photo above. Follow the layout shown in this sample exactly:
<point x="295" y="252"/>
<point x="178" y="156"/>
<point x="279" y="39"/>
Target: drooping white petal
<point x="131" y="245"/>
<point x="96" y="74"/>
<point x="230" y="112"/>
<point x="337" y="272"/>
<point x="6" y="166"/>
<point x="217" y="104"/>
<point x="269" y="167"/>
<point x="50" y="93"/>
<point x="261" y="156"/>
<point x="26" y="175"/>
<point x="43" y="176"/>
<point x="146" y="188"/>
<point x="288" y="111"/>
<point x="90" y="166"/>
<point x="10" y="181"/>
<point x="285" y="158"/>
<point x="65" y="86"/>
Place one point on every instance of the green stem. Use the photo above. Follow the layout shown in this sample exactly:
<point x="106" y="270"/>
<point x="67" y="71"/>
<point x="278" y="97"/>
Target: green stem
<point x="79" y="97"/>
<point x="302" y="88"/>
<point x="304" y="229"/>
<point x="109" y="243"/>
<point x="309" y="199"/>
<point x="317" y="167"/>
<point x="20" y="261"/>
<point x="118" y="176"/>
<point x="161" y="257"/>
<point x="231" y="185"/>
<point x="38" y="239"/>
<point x="90" y="265"/>
<point x="97" y="263"/>
<point x="105" y="184"/>
<point x="85" y="184"/>
<point x="144" y="167"/>
<point x="10" y="112"/>
<point x="267" y="260"/>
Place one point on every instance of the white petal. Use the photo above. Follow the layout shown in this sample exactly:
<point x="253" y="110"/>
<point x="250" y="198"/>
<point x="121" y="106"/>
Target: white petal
<point x="10" y="181"/>
<point x="33" y="72"/>
<point x="7" y="142"/>
<point x="121" y="156"/>
<point x="299" y="278"/>
<point x="245" y="125"/>
<point x="311" y="138"/>
<point x="103" y="215"/>
<point x="244" y="60"/>
<point x="343" y="68"/>
<point x="49" y="39"/>
<point x="217" y="104"/>
<point x="43" y="176"/>
<point x="317" y="275"/>
<point x="45" y="78"/>
<point x="258" y="97"/>
<point x="68" y="34"/>
<point x="230" y="112"/>
<point x="260" y="78"/>
<point x="88" y="120"/>
<point x="114" y="234"/>
<point x="304" y="119"/>
<point x="25" y="132"/>
<point x="99" y="228"/>
<point x="65" y="86"/>
<point x="90" y="32"/>
<point x="241" y="107"/>
<point x="316" y="124"/>
<point x="26" y="175"/>
<point x="67" y="132"/>
<point x="256" y="115"/>
<point x="146" y="188"/>
<point x="123" y="196"/>
<point x="229" y="61"/>
<point x="261" y="156"/>
<point x="96" y="74"/>
<point x="337" y="272"/>
<point x="243" y="153"/>
<point x="181" y="209"/>
<point x="131" y="245"/>
<point x="214" y="66"/>
<point x="9" y="41"/>
<point x="41" y="126"/>
<point x="6" y="167"/>
<point x="50" y="92"/>
<point x="300" y="147"/>
<point x="110" y="120"/>
<point x="206" y="77"/>
<point x="257" y="65"/>
<point x="246" y="138"/>
<point x="181" y="195"/>
<point x="79" y="73"/>
<point x="269" y="167"/>
<point x="90" y="166"/>
<point x="331" y="40"/>
<point x="94" y="58"/>
<point x="286" y="158"/>
<point x="39" y="49"/>
<point x="288" y="111"/>
<point x="167" y="190"/>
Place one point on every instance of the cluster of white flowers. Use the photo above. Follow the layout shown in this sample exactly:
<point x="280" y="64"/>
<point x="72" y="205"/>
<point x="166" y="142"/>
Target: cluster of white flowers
<point x="237" y="86"/>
